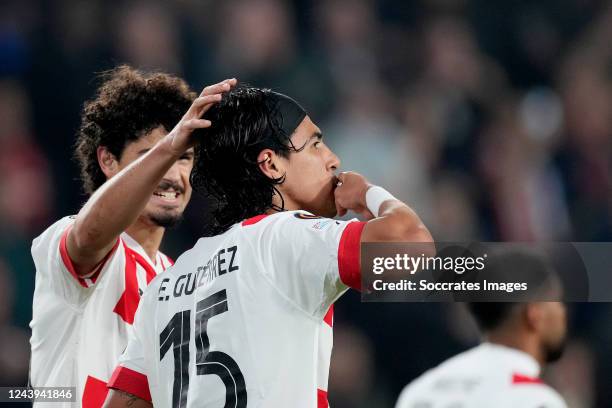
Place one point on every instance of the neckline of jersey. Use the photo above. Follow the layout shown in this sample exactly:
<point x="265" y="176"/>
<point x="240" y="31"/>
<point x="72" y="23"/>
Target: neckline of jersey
<point x="519" y="360"/>
<point x="133" y="244"/>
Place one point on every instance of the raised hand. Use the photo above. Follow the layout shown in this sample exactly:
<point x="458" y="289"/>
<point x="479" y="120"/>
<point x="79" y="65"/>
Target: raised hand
<point x="180" y="136"/>
<point x="350" y="194"/>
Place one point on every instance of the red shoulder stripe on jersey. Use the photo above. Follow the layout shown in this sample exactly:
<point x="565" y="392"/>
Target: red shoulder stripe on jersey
<point x="94" y="393"/>
<point x="254" y="220"/>
<point x="131" y="382"/>
<point x="329" y="316"/>
<point x="128" y="302"/>
<point x="66" y="258"/>
<point x="70" y="265"/>
<point x="322" y="399"/>
<point x="523" y="379"/>
<point x="348" y="255"/>
<point x="144" y="263"/>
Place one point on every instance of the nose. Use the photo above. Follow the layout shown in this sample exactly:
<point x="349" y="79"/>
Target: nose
<point x="333" y="161"/>
<point x="174" y="173"/>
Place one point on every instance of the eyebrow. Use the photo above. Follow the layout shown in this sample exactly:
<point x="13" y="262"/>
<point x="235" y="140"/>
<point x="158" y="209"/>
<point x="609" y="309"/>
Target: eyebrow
<point x="316" y="135"/>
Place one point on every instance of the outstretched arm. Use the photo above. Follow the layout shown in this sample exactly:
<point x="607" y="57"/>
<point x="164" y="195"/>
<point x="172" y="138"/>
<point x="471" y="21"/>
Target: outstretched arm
<point x="119" y="201"/>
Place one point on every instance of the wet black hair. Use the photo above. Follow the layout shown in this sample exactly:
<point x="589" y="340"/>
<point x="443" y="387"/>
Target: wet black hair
<point x="246" y="121"/>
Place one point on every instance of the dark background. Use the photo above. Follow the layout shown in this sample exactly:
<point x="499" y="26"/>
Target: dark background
<point x="492" y="118"/>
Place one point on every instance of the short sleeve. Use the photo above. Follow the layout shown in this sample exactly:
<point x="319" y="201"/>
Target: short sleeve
<point x="311" y="260"/>
<point x="54" y="266"/>
<point x="130" y="375"/>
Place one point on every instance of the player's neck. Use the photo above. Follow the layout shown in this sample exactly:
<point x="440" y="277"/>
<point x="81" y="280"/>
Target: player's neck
<point x="519" y="341"/>
<point x="148" y="236"/>
<point x="288" y="204"/>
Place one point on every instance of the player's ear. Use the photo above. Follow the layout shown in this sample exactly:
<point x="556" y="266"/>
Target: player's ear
<point x="269" y="164"/>
<point x="107" y="161"/>
<point x="533" y="315"/>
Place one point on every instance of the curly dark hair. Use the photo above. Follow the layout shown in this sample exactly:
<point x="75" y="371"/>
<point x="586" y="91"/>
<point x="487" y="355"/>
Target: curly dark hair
<point x="226" y="166"/>
<point x="128" y="105"/>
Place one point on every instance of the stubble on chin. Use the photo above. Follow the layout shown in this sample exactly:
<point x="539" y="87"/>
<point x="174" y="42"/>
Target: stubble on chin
<point x="165" y="219"/>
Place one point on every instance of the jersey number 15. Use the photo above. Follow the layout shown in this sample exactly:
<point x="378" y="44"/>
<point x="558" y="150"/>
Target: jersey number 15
<point x="177" y="335"/>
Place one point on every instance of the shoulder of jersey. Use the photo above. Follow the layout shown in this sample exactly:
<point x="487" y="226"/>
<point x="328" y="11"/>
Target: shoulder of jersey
<point x="64" y="221"/>
<point x="431" y="374"/>
<point x="296" y="214"/>
<point x="536" y="392"/>
<point x="416" y="388"/>
<point x="52" y="229"/>
<point x="461" y="362"/>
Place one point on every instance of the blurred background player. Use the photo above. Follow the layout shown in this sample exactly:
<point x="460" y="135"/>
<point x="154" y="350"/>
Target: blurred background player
<point x="520" y="339"/>
<point x="245" y="317"/>
<point x="92" y="267"/>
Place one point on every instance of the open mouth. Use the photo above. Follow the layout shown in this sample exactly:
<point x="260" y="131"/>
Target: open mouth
<point x="167" y="195"/>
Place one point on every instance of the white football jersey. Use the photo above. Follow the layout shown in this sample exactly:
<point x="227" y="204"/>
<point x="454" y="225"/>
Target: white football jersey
<point x="244" y="318"/>
<point x="485" y="376"/>
<point x="79" y="325"/>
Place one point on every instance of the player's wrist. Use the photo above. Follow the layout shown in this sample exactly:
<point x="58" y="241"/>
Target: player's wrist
<point x="363" y="202"/>
<point x="170" y="148"/>
<point x="375" y="196"/>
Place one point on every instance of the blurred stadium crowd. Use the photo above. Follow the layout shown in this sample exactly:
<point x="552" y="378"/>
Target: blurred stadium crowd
<point x="492" y="118"/>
